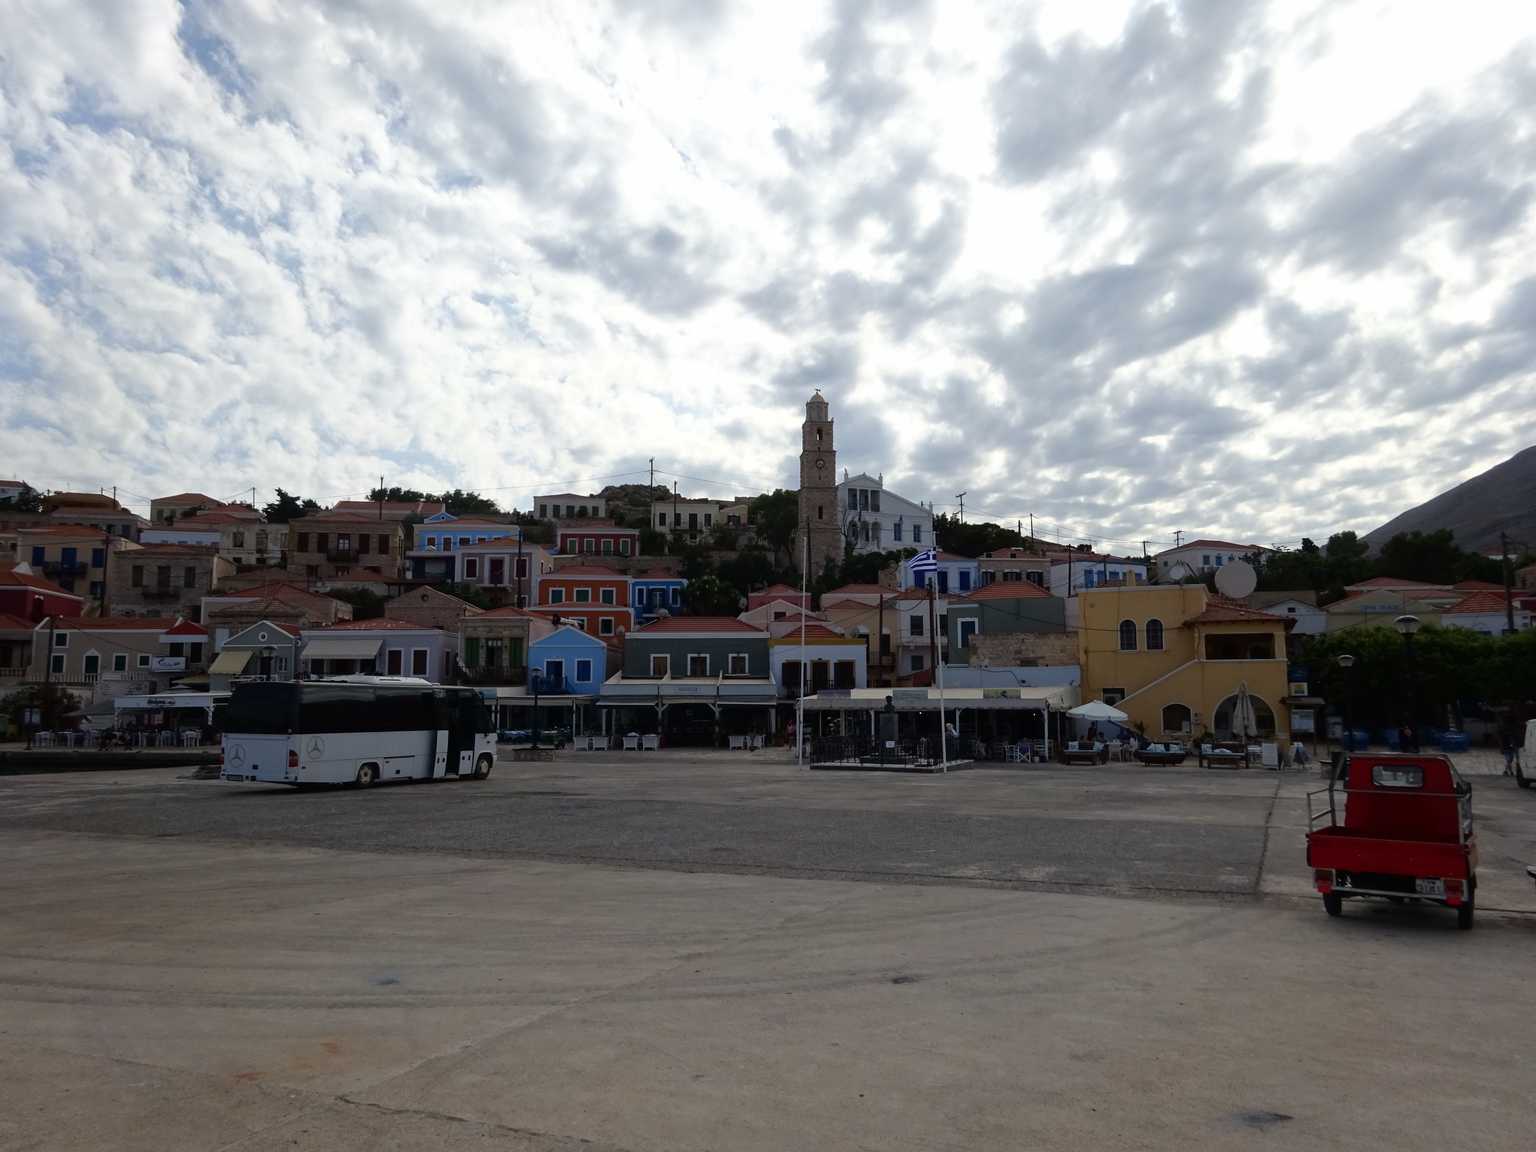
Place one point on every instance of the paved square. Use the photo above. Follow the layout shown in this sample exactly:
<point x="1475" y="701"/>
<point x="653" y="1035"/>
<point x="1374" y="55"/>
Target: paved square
<point x="686" y="953"/>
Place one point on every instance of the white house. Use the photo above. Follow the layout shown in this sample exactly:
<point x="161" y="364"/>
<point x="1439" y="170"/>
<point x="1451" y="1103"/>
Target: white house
<point x="1074" y="572"/>
<point x="1483" y="612"/>
<point x="835" y="660"/>
<point x="956" y="574"/>
<point x="875" y="520"/>
<point x="381" y="646"/>
<point x="1310" y="620"/>
<point x="570" y="506"/>
<point x="691" y="516"/>
<point x="1197" y="557"/>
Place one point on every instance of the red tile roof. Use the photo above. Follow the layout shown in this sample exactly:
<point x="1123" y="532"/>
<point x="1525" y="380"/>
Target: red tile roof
<point x="63" y="531"/>
<point x="374" y="624"/>
<point x="202" y="520"/>
<point x="777" y="590"/>
<point x="13" y="578"/>
<point x="1478" y="586"/>
<point x="576" y="526"/>
<point x="585" y="570"/>
<point x="391" y="507"/>
<point x="697" y="624"/>
<point x="190" y="498"/>
<point x="114" y="623"/>
<point x="186" y="628"/>
<point x="276" y="590"/>
<point x="1481" y="601"/>
<point x="858" y="590"/>
<point x="1005" y="590"/>
<point x="820" y="632"/>
<point x="1394" y="582"/>
<point x="509" y="610"/>
<point x="1216" y="544"/>
<point x="154" y="549"/>
<point x="10" y="623"/>
<point x="1229" y="612"/>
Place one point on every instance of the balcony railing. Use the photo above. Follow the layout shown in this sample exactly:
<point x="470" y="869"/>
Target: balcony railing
<point x="59" y="568"/>
<point x="341" y="556"/>
<point x="493" y="674"/>
<point x="13" y="673"/>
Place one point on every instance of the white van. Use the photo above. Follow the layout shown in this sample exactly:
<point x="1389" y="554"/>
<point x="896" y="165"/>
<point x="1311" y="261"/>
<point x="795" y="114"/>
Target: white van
<point x="1527" y="761"/>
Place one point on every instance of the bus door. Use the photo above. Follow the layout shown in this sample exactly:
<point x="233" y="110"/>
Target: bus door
<point x="439" y="708"/>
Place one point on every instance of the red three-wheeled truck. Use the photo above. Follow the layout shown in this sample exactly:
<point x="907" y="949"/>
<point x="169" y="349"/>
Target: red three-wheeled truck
<point x="1399" y="827"/>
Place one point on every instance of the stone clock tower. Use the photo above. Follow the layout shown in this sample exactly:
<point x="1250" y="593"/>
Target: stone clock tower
<point x="818" y="489"/>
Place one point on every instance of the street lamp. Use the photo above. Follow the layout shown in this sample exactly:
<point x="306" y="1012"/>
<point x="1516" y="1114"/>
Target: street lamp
<point x="1408" y="626"/>
<point x="1345" y="662"/>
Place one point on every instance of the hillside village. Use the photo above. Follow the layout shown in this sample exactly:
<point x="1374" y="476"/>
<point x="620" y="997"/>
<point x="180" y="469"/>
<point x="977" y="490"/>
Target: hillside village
<point x="702" y="617"/>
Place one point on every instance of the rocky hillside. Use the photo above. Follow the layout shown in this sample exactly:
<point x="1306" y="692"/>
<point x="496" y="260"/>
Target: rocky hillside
<point x="1477" y="510"/>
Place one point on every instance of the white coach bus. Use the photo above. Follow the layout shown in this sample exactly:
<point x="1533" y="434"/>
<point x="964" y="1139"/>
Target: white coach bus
<point x="355" y="730"/>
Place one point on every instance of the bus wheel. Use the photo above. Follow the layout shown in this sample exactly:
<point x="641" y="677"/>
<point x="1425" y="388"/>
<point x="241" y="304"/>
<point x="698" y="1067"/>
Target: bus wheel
<point x="482" y="767"/>
<point x="1333" y="904"/>
<point x="367" y="775"/>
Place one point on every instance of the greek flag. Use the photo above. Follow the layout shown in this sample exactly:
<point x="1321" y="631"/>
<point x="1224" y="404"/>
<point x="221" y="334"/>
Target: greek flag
<point x="924" y="562"/>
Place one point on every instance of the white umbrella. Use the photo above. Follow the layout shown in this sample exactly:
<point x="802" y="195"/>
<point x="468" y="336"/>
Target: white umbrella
<point x="1245" y="721"/>
<point x="1098" y="710"/>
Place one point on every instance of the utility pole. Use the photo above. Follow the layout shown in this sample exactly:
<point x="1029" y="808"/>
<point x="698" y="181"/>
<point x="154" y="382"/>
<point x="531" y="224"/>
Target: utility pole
<point x="1031" y="527"/>
<point x="653" y="477"/>
<point x="1178" y="539"/>
<point x="381" y="498"/>
<point x="960" y="496"/>
<point x="1509" y="586"/>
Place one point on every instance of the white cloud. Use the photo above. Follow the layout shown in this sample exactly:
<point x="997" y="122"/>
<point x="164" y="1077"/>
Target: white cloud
<point x="1171" y="249"/>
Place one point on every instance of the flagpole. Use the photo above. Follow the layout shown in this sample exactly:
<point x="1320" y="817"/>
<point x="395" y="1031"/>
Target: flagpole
<point x="805" y="570"/>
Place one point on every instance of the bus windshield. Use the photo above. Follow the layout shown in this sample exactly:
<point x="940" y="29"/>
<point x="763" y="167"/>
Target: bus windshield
<point x="262" y="708"/>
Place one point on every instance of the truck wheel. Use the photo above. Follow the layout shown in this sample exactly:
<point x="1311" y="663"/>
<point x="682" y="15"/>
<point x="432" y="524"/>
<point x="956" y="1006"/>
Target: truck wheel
<point x="367" y="775"/>
<point x="1464" y="914"/>
<point x="1333" y="904"/>
<point x="483" y="767"/>
<point x="1521" y="778"/>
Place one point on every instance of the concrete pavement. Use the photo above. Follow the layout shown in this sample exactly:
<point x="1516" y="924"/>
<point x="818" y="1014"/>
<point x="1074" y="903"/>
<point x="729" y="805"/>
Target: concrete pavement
<point x="166" y="987"/>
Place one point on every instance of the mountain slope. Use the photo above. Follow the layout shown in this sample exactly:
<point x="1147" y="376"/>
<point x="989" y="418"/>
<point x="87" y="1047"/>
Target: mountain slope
<point x="1476" y="510"/>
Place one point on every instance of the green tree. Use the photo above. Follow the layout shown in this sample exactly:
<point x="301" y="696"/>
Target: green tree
<point x="397" y="494"/>
<point x="1292" y="571"/>
<point x="708" y="595"/>
<point x="776" y="516"/>
<point x="288" y="507"/>
<point x="750" y="568"/>
<point x="27" y="500"/>
<point x="53" y="705"/>
<point x="974" y="537"/>
<point x="1346" y="560"/>
<point x="461" y="503"/>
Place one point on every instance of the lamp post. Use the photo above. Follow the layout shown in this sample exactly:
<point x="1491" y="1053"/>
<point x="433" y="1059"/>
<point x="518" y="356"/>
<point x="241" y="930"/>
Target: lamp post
<point x="1408" y="626"/>
<point x="1345" y="663"/>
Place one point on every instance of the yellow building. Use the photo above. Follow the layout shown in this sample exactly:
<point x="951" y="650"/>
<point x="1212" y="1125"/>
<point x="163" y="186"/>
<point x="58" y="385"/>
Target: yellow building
<point x="1173" y="657"/>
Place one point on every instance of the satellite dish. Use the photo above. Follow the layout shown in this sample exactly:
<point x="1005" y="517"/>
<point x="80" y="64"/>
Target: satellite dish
<point x="1236" y="580"/>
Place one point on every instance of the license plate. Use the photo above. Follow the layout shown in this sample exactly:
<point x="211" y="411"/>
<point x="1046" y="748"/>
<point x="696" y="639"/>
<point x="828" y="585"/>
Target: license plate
<point x="1429" y="887"/>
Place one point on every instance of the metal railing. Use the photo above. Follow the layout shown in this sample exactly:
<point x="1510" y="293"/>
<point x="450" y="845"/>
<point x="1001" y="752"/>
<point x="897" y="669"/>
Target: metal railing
<point x="869" y="752"/>
<point x="493" y="674"/>
<point x="60" y="568"/>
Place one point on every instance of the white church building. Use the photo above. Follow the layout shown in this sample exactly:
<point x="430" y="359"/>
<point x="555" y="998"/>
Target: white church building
<point x="875" y="519"/>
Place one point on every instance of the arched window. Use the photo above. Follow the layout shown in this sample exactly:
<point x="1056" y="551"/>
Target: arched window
<point x="1263" y="716"/>
<point x="1154" y="635"/>
<point x="1127" y="635"/>
<point x="1177" y="719"/>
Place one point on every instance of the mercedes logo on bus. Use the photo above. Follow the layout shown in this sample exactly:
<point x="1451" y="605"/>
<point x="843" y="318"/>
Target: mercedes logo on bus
<point x="237" y="755"/>
<point x="316" y="747"/>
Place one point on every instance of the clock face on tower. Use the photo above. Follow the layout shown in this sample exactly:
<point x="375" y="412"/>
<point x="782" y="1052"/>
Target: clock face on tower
<point x="821" y="465"/>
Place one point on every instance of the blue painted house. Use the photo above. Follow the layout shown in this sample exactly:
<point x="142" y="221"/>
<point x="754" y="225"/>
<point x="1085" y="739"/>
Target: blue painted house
<point x="437" y="538"/>
<point x="957" y="575"/>
<point x="568" y="662"/>
<point x="649" y="594"/>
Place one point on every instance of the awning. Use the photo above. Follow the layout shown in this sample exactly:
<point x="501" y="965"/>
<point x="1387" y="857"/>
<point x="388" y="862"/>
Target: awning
<point x="342" y="648"/>
<point x="231" y="662"/>
<point x="652" y="701"/>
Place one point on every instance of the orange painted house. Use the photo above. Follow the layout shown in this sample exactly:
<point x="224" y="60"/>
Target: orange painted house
<point x="588" y="596"/>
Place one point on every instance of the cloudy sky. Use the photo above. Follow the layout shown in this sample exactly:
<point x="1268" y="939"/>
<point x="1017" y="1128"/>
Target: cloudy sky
<point x="1256" y="270"/>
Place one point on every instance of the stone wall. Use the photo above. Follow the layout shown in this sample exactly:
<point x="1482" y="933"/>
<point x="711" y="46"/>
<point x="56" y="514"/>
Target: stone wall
<point x="1024" y="649"/>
